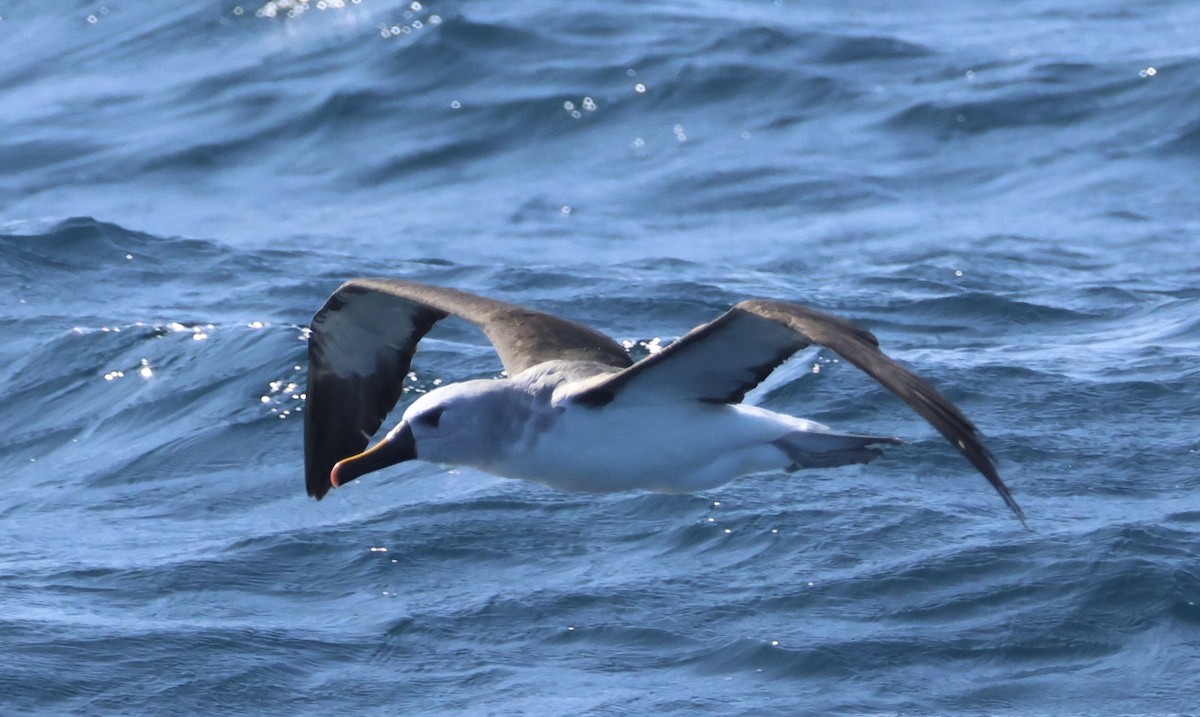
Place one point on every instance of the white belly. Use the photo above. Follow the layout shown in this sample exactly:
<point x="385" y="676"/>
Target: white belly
<point x="673" y="449"/>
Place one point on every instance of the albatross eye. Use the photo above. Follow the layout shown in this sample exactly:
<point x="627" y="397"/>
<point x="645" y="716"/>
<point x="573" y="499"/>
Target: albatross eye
<point x="431" y="417"/>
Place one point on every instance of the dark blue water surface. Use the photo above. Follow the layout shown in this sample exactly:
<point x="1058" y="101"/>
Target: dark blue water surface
<point x="1005" y="193"/>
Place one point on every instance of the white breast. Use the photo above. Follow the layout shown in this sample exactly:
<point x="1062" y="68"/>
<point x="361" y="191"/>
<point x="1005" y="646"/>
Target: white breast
<point x="672" y="448"/>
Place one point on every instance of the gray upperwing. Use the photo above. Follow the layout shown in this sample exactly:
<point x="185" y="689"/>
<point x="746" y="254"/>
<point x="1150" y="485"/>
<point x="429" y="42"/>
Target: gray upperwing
<point x="522" y="337"/>
<point x="362" y="343"/>
<point x="722" y="360"/>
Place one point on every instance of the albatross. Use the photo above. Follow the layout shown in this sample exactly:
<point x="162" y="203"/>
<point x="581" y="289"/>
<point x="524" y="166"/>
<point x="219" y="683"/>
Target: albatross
<point x="574" y="411"/>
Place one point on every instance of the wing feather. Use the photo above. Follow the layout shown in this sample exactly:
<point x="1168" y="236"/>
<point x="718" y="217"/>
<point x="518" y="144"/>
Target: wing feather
<point x="362" y="343"/>
<point x="723" y="359"/>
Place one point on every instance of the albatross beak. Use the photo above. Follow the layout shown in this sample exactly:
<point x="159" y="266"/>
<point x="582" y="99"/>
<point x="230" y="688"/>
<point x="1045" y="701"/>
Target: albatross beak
<point x="396" y="447"/>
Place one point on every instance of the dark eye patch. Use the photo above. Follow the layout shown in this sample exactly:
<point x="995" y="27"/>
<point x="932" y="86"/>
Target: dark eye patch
<point x="431" y="417"/>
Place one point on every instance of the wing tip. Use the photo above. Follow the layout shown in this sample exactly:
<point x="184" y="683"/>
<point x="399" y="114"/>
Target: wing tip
<point x="317" y="490"/>
<point x="1011" y="502"/>
<point x="988" y="469"/>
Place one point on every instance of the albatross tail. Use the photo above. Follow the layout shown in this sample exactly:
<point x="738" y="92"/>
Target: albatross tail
<point x="818" y="449"/>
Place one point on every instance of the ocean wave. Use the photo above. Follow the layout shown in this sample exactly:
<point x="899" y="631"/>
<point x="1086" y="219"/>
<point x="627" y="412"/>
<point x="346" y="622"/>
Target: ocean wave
<point x="1010" y="214"/>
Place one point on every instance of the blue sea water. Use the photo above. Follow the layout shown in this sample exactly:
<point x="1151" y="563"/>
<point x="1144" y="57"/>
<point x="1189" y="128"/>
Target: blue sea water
<point x="1005" y="193"/>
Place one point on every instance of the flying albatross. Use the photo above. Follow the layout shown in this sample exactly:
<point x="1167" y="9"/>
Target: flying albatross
<point x="575" y="412"/>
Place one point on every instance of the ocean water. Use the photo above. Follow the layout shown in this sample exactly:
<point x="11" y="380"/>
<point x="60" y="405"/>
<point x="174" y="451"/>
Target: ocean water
<point x="1005" y="193"/>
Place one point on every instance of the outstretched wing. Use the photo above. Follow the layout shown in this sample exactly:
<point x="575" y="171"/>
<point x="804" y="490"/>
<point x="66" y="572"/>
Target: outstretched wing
<point x="362" y="343"/>
<point x="723" y="359"/>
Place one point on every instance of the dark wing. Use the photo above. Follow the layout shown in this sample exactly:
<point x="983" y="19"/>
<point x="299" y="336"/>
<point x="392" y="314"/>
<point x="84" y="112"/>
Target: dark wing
<point x="723" y="359"/>
<point x="362" y="343"/>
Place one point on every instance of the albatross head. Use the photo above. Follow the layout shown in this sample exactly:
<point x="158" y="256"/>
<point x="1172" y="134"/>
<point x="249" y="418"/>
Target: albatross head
<point x="458" y="424"/>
